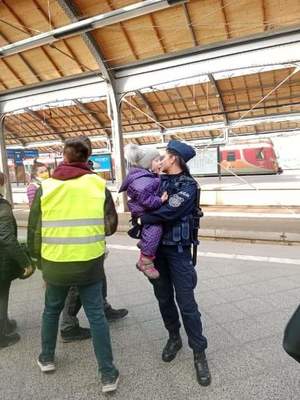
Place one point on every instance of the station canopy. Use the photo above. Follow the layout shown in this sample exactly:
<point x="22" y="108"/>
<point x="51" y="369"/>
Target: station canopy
<point x="191" y="70"/>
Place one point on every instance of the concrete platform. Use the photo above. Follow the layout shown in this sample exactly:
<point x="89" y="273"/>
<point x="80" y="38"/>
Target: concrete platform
<point x="271" y="224"/>
<point x="245" y="304"/>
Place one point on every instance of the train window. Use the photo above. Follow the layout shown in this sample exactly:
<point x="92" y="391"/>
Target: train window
<point x="260" y="155"/>
<point x="231" y="156"/>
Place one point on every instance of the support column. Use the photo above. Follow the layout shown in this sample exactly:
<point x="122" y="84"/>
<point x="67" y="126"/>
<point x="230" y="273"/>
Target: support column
<point x="114" y="107"/>
<point x="3" y="161"/>
<point x="113" y="100"/>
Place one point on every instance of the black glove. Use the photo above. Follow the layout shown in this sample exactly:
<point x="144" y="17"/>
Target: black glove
<point x="136" y="231"/>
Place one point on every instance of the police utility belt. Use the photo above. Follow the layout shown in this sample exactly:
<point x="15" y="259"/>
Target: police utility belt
<point x="179" y="234"/>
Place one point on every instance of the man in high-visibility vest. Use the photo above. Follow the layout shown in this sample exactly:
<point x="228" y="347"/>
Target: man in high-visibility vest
<point x="70" y="215"/>
<point x="70" y="329"/>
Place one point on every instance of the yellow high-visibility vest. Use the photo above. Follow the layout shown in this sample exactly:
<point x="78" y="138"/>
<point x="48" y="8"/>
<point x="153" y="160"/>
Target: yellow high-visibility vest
<point x="73" y="219"/>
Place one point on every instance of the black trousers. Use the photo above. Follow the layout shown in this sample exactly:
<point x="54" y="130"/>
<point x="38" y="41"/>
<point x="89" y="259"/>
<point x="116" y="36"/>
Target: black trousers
<point x="178" y="279"/>
<point x="4" y="295"/>
<point x="291" y="340"/>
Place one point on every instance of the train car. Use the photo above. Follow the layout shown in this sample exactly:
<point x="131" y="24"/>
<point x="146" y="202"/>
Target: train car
<point x="249" y="158"/>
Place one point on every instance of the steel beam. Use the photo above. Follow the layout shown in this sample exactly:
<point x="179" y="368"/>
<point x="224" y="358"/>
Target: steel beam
<point x="113" y="99"/>
<point x="219" y="96"/>
<point x="150" y="109"/>
<point x="3" y="161"/>
<point x="15" y="136"/>
<point x="86" y="25"/>
<point x="85" y="110"/>
<point x="276" y="48"/>
<point x="57" y="91"/>
<point x="272" y="118"/>
<point x="188" y="68"/>
<point x="189" y="23"/>
<point x="47" y="124"/>
<point x="223" y="60"/>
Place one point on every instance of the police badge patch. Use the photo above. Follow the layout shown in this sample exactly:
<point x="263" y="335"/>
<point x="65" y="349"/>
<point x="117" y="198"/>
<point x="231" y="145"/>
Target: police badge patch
<point x="175" y="201"/>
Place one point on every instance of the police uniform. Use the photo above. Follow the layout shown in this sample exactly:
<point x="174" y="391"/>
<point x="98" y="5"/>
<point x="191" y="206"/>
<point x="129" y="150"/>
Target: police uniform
<point x="173" y="258"/>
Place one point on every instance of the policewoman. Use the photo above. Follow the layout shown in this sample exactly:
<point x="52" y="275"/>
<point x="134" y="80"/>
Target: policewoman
<point x="174" y="259"/>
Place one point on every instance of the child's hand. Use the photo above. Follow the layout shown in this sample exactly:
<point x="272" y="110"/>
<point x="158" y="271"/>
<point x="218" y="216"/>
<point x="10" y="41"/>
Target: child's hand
<point x="164" y="197"/>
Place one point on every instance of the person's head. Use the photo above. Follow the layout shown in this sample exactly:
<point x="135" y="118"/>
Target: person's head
<point x="142" y="158"/>
<point x="39" y="171"/>
<point x="2" y="183"/>
<point x="86" y="140"/>
<point x="176" y="156"/>
<point x="75" y="150"/>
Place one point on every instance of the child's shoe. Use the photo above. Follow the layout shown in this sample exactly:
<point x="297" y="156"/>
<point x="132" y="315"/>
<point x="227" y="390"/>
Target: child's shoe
<point x="145" y="264"/>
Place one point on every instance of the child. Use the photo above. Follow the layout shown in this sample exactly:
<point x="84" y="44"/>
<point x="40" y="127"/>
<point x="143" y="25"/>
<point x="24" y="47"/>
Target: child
<point x="38" y="174"/>
<point x="141" y="184"/>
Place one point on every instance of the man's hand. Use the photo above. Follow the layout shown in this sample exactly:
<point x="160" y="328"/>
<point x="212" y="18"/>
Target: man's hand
<point x="164" y="197"/>
<point x="28" y="271"/>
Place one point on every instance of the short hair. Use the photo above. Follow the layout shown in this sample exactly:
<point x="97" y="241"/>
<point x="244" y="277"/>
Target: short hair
<point x="2" y="178"/>
<point x="86" y="140"/>
<point x="36" y="165"/>
<point x="75" y="150"/>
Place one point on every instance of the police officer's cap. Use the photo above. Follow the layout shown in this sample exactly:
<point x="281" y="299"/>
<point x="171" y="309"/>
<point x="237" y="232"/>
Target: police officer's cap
<point x="185" y="151"/>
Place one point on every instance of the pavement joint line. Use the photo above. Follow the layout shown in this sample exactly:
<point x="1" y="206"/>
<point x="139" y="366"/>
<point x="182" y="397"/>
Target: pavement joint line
<point x="230" y="214"/>
<point x="250" y="215"/>
<point x="231" y="256"/>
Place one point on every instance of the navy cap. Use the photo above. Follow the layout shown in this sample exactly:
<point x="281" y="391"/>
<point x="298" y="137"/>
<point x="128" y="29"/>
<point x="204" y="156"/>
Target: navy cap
<point x="185" y="151"/>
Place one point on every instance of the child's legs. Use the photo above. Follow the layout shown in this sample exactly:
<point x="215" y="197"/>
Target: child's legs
<point x="150" y="239"/>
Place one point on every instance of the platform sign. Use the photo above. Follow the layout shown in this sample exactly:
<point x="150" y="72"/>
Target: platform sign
<point x="205" y="162"/>
<point x="101" y="162"/>
<point x="31" y="154"/>
<point x="18" y="155"/>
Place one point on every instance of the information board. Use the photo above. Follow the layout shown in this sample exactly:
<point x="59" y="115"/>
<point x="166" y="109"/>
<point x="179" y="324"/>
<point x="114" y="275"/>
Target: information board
<point x="18" y="155"/>
<point x="205" y="162"/>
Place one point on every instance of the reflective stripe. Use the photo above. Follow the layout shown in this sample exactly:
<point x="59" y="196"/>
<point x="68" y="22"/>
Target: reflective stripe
<point x="72" y="222"/>
<point x="73" y="240"/>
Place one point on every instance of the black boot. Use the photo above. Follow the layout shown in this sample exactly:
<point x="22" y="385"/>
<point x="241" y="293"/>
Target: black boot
<point x="11" y="326"/>
<point x="114" y="314"/>
<point x="172" y="347"/>
<point x="9" y="340"/>
<point x="75" y="334"/>
<point x="202" y="370"/>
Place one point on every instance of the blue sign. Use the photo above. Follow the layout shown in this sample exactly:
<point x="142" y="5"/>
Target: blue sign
<point x="18" y="155"/>
<point x="101" y="162"/>
<point x="31" y="154"/>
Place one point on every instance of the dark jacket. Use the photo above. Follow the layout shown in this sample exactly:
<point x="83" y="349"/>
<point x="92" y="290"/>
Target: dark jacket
<point x="13" y="259"/>
<point x="176" y="215"/>
<point x="141" y="186"/>
<point x="69" y="273"/>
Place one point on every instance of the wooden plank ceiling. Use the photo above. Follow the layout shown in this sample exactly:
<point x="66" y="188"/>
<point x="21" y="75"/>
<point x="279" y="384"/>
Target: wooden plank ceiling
<point x="178" y="107"/>
<point x="198" y="22"/>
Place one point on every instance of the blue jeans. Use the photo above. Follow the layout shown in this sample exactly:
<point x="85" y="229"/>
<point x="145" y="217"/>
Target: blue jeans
<point x="92" y="301"/>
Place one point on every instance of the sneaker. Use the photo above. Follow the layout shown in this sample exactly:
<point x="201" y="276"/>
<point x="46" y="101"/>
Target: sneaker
<point x="75" y="334"/>
<point x="9" y="340"/>
<point x="110" y="384"/>
<point x="11" y="326"/>
<point x="114" y="314"/>
<point x="46" y="366"/>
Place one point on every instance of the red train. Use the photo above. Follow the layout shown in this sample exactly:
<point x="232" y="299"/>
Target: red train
<point x="249" y="158"/>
